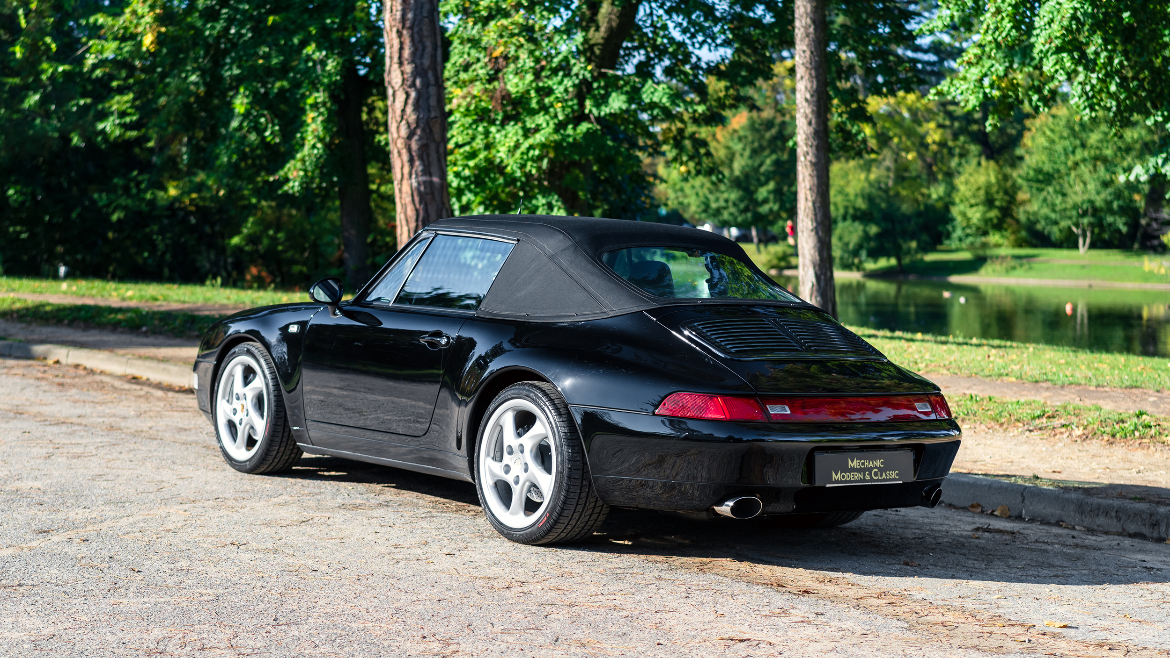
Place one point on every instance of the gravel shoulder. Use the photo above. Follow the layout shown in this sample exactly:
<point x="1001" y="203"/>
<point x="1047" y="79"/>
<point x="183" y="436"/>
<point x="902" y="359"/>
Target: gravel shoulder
<point x="127" y="534"/>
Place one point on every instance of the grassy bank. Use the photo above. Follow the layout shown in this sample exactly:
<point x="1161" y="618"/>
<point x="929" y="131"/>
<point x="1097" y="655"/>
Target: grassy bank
<point x="1001" y="359"/>
<point x="176" y="293"/>
<point x="86" y="316"/>
<point x="1114" y="265"/>
<point x="1069" y="421"/>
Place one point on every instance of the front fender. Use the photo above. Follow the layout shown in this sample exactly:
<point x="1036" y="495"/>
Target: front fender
<point x="273" y="328"/>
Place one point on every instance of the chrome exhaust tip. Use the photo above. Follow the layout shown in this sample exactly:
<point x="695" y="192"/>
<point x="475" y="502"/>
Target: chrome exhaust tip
<point x="931" y="496"/>
<point x="740" y="507"/>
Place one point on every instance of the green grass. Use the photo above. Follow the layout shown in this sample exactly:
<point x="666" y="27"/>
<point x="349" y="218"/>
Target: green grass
<point x="176" y="293"/>
<point x="1001" y="359"/>
<point x="184" y="325"/>
<point x="1115" y="265"/>
<point x="1074" y="421"/>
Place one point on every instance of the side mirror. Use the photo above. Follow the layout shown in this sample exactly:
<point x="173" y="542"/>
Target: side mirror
<point x="327" y="291"/>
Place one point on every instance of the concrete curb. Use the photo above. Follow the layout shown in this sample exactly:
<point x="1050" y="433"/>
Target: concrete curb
<point x="175" y="374"/>
<point x="1059" y="505"/>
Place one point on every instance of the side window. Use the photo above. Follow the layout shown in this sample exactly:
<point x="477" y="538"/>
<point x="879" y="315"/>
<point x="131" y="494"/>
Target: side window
<point x="387" y="288"/>
<point x="455" y="272"/>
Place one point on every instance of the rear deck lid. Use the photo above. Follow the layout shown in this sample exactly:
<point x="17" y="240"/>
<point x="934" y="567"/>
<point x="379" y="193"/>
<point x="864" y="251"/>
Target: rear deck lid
<point x="790" y="350"/>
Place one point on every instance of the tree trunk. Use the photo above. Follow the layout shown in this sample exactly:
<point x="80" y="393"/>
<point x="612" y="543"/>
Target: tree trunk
<point x="1084" y="236"/>
<point x="1155" y="221"/>
<point x="756" y="238"/>
<point x="813" y="224"/>
<point x="418" y="117"/>
<point x="354" y="185"/>
<point x="982" y="135"/>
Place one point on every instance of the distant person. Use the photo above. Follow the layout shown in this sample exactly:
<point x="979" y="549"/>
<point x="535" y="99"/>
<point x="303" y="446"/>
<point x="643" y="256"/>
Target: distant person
<point x="791" y="233"/>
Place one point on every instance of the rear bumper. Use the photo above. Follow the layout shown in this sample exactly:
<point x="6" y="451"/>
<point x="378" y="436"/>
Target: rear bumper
<point x="653" y="462"/>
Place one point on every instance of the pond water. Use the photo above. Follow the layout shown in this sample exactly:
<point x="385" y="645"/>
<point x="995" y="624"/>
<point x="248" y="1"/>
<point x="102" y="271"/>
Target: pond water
<point x="1109" y="320"/>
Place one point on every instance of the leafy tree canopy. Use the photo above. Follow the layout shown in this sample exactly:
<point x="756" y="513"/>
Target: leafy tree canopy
<point x="1069" y="178"/>
<point x="1111" y="58"/>
<point x="560" y="102"/>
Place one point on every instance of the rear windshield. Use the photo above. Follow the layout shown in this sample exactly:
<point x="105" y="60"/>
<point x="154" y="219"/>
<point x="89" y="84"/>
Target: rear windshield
<point x="692" y="274"/>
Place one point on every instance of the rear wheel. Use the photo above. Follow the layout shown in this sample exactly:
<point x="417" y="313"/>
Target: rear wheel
<point x="250" y="422"/>
<point x="818" y="520"/>
<point x="530" y="470"/>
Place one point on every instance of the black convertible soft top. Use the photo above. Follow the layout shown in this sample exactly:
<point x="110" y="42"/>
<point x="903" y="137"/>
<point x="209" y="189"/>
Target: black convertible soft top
<point x="555" y="273"/>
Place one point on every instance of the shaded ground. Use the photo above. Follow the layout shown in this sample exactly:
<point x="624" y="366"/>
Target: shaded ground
<point x="126" y="533"/>
<point x="180" y="350"/>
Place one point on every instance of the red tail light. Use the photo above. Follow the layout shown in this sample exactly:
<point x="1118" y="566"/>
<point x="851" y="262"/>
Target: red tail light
<point x="711" y="407"/>
<point x="940" y="406"/>
<point x="852" y="410"/>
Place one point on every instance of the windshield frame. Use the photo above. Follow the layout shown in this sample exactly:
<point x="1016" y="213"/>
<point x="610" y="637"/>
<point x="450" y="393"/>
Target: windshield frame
<point x="686" y="301"/>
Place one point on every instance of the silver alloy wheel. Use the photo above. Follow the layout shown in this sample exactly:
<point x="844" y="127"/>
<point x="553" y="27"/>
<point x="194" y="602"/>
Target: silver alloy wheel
<point x="517" y="463"/>
<point x="241" y="407"/>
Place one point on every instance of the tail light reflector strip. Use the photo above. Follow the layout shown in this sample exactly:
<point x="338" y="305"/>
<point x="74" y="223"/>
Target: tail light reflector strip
<point x="805" y="409"/>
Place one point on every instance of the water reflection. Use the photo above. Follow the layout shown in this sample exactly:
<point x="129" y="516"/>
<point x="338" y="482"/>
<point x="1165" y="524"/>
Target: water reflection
<point x="1113" y="320"/>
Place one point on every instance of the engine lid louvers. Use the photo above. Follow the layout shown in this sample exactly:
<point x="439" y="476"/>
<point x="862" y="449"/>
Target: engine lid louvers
<point x="757" y="337"/>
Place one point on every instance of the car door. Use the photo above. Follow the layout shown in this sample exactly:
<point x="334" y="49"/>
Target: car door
<point x="376" y="365"/>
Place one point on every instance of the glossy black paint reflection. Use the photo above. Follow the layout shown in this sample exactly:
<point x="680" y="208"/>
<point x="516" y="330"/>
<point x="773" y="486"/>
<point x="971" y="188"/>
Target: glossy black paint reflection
<point x="376" y="391"/>
<point x="271" y="327"/>
<point x="624" y="444"/>
<point x="369" y="368"/>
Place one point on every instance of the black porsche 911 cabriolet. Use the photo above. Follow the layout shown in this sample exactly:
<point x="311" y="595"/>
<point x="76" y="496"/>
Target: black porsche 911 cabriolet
<point x="565" y="365"/>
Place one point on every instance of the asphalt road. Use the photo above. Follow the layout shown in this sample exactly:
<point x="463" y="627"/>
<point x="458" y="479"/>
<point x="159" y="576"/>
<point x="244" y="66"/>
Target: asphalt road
<point x="124" y="533"/>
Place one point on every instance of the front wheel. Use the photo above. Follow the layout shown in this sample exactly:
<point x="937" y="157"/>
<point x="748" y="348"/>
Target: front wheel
<point x="250" y="422"/>
<point x="530" y="469"/>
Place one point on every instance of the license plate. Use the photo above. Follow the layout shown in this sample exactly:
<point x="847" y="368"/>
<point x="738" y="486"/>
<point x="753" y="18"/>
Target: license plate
<point x="842" y="469"/>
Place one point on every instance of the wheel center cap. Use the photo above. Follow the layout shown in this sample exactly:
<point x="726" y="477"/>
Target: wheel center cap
<point x="518" y="460"/>
<point x="241" y="407"/>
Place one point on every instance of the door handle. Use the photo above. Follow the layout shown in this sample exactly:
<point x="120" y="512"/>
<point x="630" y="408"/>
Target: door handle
<point x="436" y="340"/>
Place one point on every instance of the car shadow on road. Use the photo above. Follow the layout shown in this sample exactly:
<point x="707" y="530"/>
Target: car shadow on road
<point x="337" y="469"/>
<point x="941" y="543"/>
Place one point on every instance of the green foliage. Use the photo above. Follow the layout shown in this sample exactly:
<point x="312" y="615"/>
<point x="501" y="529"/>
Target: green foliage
<point x="890" y="203"/>
<point x="750" y="178"/>
<point x="554" y="103"/>
<point x="177" y="140"/>
<point x="984" y="206"/>
<point x="1069" y="174"/>
<point x="1111" y="59"/>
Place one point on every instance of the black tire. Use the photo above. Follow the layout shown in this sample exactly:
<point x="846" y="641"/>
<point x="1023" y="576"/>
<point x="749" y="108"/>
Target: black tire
<point x="818" y="520"/>
<point x="573" y="509"/>
<point x="275" y="450"/>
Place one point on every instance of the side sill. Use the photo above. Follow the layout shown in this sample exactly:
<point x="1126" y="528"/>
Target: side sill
<point x="418" y="468"/>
